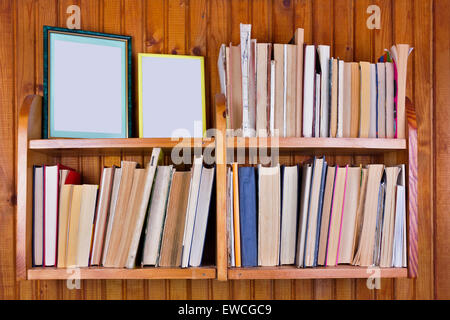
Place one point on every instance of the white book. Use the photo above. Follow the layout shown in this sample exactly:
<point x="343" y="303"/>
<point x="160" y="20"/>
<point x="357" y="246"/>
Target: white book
<point x="86" y="224"/>
<point x="50" y="213"/>
<point x="289" y="215"/>
<point x="149" y="177"/>
<point x="245" y="31"/>
<point x="308" y="90"/>
<point x="221" y="67"/>
<point x="373" y="101"/>
<point x="317" y="106"/>
<point x="201" y="217"/>
<point x="390" y="96"/>
<point x="324" y="56"/>
<point x="381" y="100"/>
<point x="191" y="210"/>
<point x="303" y="218"/>
<point x="340" y="124"/>
<point x="38" y="216"/>
<point x="272" y="98"/>
<point x="230" y="218"/>
<point x="156" y="215"/>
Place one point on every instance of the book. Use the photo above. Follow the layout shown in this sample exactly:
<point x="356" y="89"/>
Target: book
<point x="387" y="241"/>
<point x="326" y="210"/>
<point x="379" y="222"/>
<point x="112" y="210"/>
<point x="269" y="205"/>
<point x="245" y="31"/>
<point x="316" y="124"/>
<point x="399" y="241"/>
<point x="373" y="102"/>
<point x="139" y="208"/>
<point x="74" y="221"/>
<point x="381" y="100"/>
<point x="101" y="215"/>
<point x="248" y="216"/>
<point x="112" y="258"/>
<point x="289" y="203"/>
<point x="236" y="216"/>
<point x="308" y="90"/>
<point x="235" y="92"/>
<point x="400" y="54"/>
<point x="334" y="232"/>
<point x="290" y="87"/>
<point x="51" y="187"/>
<point x="364" y="253"/>
<point x="221" y="68"/>
<point x="272" y="98"/>
<point x="156" y="215"/>
<point x="172" y="239"/>
<point x="263" y="88"/>
<point x="86" y="224"/>
<point x="278" y="53"/>
<point x="230" y="220"/>
<point x="352" y="191"/>
<point x="360" y="210"/>
<point x="191" y="209"/>
<point x="38" y="216"/>
<point x="324" y="58"/>
<point x="303" y="217"/>
<point x="390" y="125"/>
<point x="340" y="106"/>
<point x="251" y="132"/>
<point x="201" y="217"/>
<point x="299" y="42"/>
<point x="364" y="111"/>
<point x="347" y="101"/>
<point x="334" y="79"/>
<point x="228" y="87"/>
<point x="315" y="211"/>
<point x="65" y="200"/>
<point x="355" y="100"/>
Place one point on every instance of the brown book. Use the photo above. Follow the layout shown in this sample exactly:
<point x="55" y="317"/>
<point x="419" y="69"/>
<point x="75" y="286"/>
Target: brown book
<point x="334" y="98"/>
<point x="86" y="224"/>
<point x="326" y="210"/>
<point x="347" y="112"/>
<point x="336" y="216"/>
<point x="72" y="236"/>
<point x="348" y="227"/>
<point x="235" y="93"/>
<point x="65" y="204"/>
<point x="101" y="216"/>
<point x="290" y="89"/>
<point x="120" y="211"/>
<point x="355" y="100"/>
<point x="262" y="91"/>
<point x="278" y="50"/>
<point x="172" y="240"/>
<point x="364" y="115"/>
<point x="237" y="227"/>
<point x="364" y="255"/>
<point x="360" y="209"/>
<point x="299" y="41"/>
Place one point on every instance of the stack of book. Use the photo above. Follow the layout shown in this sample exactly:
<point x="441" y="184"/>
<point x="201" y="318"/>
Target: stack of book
<point x="298" y="90"/>
<point x="316" y="215"/>
<point x="157" y="216"/>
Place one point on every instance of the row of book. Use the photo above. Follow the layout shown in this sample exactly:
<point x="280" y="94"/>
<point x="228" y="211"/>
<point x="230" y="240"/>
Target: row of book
<point x="295" y="90"/>
<point x="316" y="215"/>
<point x="155" y="216"/>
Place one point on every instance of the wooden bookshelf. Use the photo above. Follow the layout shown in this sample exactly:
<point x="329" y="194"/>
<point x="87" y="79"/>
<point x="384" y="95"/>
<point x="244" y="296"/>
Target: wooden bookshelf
<point x="388" y="151"/>
<point x="33" y="150"/>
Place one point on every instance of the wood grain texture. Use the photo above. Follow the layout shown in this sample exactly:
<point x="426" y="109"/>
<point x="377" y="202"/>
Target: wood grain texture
<point x="199" y="27"/>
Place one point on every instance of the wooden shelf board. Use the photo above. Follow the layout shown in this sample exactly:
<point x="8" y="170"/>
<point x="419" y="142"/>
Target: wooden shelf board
<point x="109" y="273"/>
<point x="130" y="143"/>
<point x="292" y="272"/>
<point x="361" y="144"/>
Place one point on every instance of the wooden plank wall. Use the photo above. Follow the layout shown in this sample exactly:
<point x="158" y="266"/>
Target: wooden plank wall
<point x="198" y="27"/>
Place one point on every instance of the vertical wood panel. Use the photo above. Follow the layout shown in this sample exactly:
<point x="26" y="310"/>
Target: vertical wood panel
<point x="283" y="21"/>
<point x="303" y="18"/>
<point x="7" y="165"/>
<point x="442" y="160"/>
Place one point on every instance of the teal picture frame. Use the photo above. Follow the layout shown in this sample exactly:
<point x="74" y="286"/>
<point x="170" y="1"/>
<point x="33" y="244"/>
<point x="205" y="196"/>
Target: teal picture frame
<point x="94" y="39"/>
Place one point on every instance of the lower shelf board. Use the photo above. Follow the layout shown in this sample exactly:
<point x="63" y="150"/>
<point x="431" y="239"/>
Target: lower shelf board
<point x="110" y="273"/>
<point x="292" y="272"/>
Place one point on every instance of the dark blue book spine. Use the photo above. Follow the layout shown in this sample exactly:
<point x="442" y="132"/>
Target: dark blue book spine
<point x="248" y="216"/>
<point x="319" y="213"/>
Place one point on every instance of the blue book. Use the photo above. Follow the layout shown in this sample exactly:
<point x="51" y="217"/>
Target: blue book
<point x="319" y="214"/>
<point x="248" y="216"/>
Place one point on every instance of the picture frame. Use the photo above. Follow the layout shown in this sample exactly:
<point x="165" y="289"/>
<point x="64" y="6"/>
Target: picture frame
<point x="87" y="84"/>
<point x="172" y="100"/>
